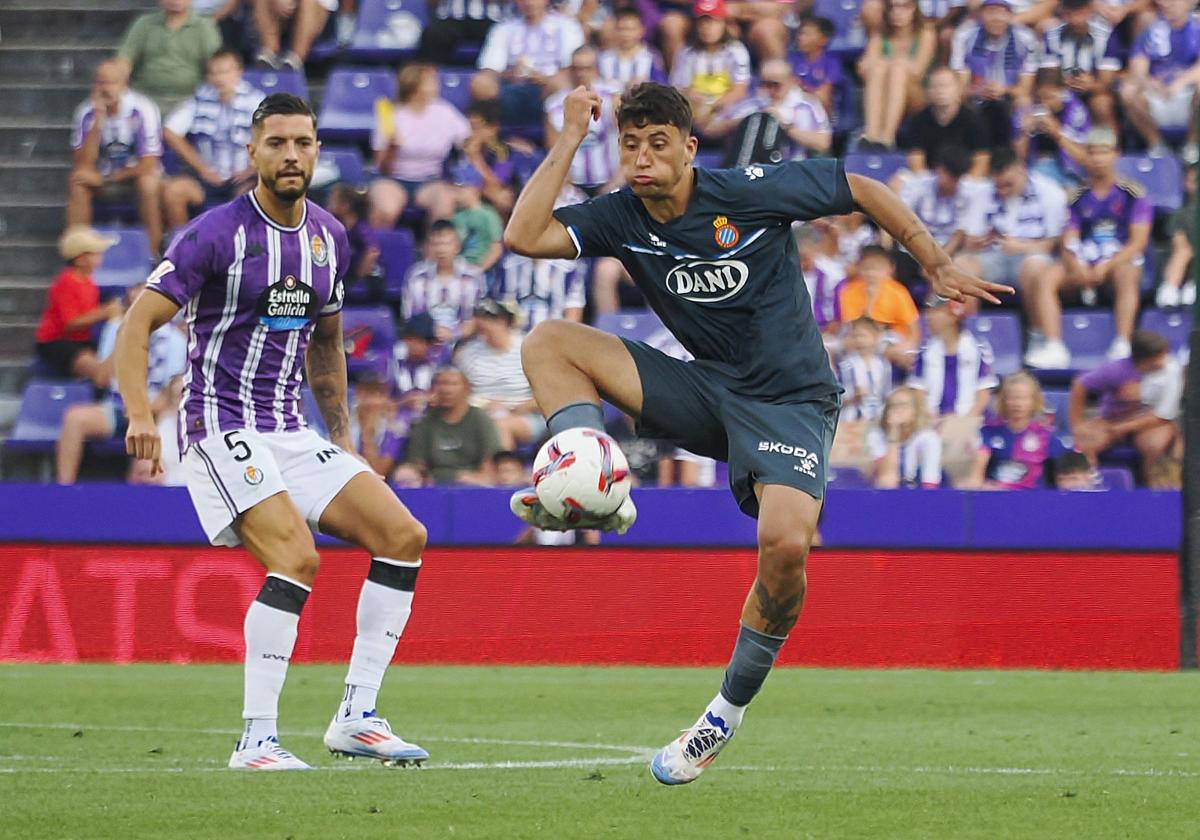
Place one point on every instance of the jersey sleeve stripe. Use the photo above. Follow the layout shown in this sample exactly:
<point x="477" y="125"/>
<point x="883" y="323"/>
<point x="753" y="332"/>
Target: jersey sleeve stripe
<point x="575" y="238"/>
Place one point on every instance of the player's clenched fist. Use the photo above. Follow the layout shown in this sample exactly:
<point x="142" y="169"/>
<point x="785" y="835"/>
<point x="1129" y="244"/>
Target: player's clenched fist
<point x="580" y="107"/>
<point x="142" y="441"/>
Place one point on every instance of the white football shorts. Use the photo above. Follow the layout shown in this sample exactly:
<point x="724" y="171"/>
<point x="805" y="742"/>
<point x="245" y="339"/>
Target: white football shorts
<point x="231" y="472"/>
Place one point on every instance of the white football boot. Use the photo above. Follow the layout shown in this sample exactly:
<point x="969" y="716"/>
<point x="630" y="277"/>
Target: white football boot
<point x="268" y="755"/>
<point x="685" y="758"/>
<point x="372" y="737"/>
<point x="528" y="508"/>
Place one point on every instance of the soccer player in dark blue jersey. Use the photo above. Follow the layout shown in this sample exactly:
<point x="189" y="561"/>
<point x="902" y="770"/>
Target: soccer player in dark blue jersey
<point x="712" y="252"/>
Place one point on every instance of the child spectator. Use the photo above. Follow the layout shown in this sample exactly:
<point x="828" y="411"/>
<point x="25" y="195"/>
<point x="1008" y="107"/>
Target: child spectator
<point x="444" y="285"/>
<point x="510" y="469"/>
<point x="630" y="61"/>
<point x="417" y="356"/>
<point x="819" y="73"/>
<point x="65" y="347"/>
<point x="892" y="69"/>
<point x="864" y="373"/>
<point x="491" y="157"/>
<point x="874" y="292"/>
<point x="1050" y="131"/>
<point x="906" y="450"/>
<point x="364" y="281"/>
<point x="1159" y="88"/>
<point x="1104" y="244"/>
<point x="995" y="59"/>
<point x="714" y="71"/>
<point x="478" y="225"/>
<point x="1139" y="401"/>
<point x="1016" y="445"/>
<point x="954" y="366"/>
<point x="454" y="442"/>
<point x="1073" y="471"/>
<point x="378" y="431"/>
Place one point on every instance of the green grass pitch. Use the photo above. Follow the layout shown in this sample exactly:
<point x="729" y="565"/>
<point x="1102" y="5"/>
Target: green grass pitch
<point x="98" y="751"/>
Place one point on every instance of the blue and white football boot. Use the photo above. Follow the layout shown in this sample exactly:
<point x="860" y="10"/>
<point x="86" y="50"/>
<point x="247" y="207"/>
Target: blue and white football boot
<point x="685" y="758"/>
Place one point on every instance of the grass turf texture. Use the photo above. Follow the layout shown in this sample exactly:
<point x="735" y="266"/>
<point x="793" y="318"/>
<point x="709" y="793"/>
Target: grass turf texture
<point x="138" y="751"/>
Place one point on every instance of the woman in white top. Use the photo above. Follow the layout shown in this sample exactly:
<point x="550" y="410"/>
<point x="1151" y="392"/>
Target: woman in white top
<point x="906" y="449"/>
<point x="413" y="137"/>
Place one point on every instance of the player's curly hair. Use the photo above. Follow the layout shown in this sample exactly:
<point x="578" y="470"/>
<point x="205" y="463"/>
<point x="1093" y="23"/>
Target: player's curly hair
<point x="653" y="104"/>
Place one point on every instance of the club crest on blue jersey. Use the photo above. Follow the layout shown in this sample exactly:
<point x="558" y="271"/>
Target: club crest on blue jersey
<point x="726" y="234"/>
<point x="287" y="305"/>
<point x="320" y="253"/>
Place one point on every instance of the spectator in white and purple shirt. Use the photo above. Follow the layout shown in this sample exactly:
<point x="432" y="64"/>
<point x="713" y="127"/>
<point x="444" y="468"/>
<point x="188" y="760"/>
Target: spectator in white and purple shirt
<point x="821" y="275"/>
<point x="1082" y="47"/>
<point x="630" y="61"/>
<point x="444" y="285"/>
<point x="954" y="366"/>
<point x="713" y="72"/>
<point x="905" y="448"/>
<point x="995" y="59"/>
<point x="1159" y="88"/>
<point x="417" y="356"/>
<point x="117" y="140"/>
<point x="542" y="290"/>
<point x="594" y="168"/>
<point x="863" y="372"/>
<point x="799" y="115"/>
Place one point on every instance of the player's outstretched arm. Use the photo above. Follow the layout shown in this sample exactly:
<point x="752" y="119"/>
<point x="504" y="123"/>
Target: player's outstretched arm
<point x="890" y="213"/>
<point x="131" y="356"/>
<point x="325" y="365"/>
<point x="532" y="229"/>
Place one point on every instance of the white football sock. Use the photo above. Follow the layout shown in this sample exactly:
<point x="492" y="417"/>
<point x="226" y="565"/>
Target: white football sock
<point x="726" y="711"/>
<point x="270" y="630"/>
<point x="384" y="606"/>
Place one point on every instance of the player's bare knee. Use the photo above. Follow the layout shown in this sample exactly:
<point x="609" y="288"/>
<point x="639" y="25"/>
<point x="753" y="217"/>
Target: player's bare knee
<point x="783" y="555"/>
<point x="402" y="541"/>
<point x="547" y="338"/>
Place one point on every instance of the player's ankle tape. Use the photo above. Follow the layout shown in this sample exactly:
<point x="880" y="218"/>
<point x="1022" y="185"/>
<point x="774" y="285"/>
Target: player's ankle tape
<point x="585" y="415"/>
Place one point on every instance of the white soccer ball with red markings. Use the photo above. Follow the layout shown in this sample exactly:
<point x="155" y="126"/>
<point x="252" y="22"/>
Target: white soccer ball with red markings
<point x="581" y="472"/>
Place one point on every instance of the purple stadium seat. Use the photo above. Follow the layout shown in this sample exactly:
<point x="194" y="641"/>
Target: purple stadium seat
<point x="370" y="333"/>
<point x="1116" y="478"/>
<point x="127" y="261"/>
<point x="1161" y="176"/>
<point x="848" y="36"/>
<point x="348" y="109"/>
<point x="881" y="167"/>
<point x="42" y="408"/>
<point x="639" y="326"/>
<point x="456" y="86"/>
<point x="466" y="54"/>
<point x="278" y="81"/>
<point x="388" y="30"/>
<point x="397" y="253"/>
<point x="1172" y="324"/>
<point x="710" y="159"/>
<point x="1056" y="408"/>
<point x="339" y="163"/>
<point x="1003" y="331"/>
<point x="1087" y="335"/>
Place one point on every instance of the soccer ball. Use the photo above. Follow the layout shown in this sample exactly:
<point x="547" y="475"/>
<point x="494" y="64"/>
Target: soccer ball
<point x="581" y="472"/>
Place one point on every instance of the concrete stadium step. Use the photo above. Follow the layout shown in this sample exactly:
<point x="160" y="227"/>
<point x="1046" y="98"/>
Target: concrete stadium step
<point x="32" y="216"/>
<point x="33" y="99"/>
<point x="22" y="298"/>
<point x="16" y="336"/>
<point x="33" y="177"/>
<point x="29" y="23"/>
<point x="32" y="256"/>
<point x="71" y="65"/>
<point x="31" y="137"/>
<point x="14" y="370"/>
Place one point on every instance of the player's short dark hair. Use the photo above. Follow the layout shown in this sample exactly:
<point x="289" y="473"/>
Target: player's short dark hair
<point x="953" y="158"/>
<point x="281" y="103"/>
<point x="226" y="53"/>
<point x="1003" y="157"/>
<point x="1145" y="345"/>
<point x="487" y="110"/>
<point x="653" y="104"/>
<point x="876" y="251"/>
<point x="443" y="226"/>
<point x="824" y="25"/>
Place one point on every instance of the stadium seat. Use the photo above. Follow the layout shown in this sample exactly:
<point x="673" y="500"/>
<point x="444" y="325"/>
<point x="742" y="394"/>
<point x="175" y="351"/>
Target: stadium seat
<point x="1003" y="331"/>
<point x="278" y="81"/>
<point x="1172" y="324"/>
<point x="1057" y="403"/>
<point x="1087" y="335"/>
<point x="848" y="36"/>
<point x="636" y="325"/>
<point x="710" y="159"/>
<point x="397" y="253"/>
<point x="127" y="261"/>
<point x="881" y="167"/>
<point x="388" y="30"/>
<point x="456" y="86"/>
<point x="39" y="418"/>
<point x="1116" y="478"/>
<point x="348" y="109"/>
<point x="338" y="163"/>
<point x="1162" y="178"/>
<point x="370" y="334"/>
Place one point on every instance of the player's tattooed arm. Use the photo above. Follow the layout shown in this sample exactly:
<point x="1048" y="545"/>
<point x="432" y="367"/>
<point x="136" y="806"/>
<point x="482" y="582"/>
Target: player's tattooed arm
<point x="778" y="612"/>
<point x="326" y="368"/>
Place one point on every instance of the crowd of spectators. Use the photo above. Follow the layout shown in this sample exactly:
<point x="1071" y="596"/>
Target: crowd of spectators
<point x="1010" y="116"/>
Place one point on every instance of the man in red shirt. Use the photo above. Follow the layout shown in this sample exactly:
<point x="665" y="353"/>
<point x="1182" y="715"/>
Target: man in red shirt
<point x="64" y="336"/>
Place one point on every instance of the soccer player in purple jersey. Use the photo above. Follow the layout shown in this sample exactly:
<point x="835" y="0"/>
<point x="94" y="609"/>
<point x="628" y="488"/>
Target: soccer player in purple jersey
<point x="712" y="250"/>
<point x="260" y="280"/>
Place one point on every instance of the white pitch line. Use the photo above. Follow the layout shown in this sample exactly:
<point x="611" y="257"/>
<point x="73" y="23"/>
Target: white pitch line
<point x="564" y="764"/>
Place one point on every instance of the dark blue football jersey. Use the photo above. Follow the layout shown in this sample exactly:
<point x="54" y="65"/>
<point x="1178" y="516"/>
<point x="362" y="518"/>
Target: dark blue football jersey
<point x="725" y="276"/>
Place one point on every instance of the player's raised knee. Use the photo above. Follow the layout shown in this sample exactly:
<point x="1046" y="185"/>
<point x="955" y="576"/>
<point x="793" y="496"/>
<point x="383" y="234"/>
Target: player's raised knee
<point x="546" y="338"/>
<point x="403" y="540"/>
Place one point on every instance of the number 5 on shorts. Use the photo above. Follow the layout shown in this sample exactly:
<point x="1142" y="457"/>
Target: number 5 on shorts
<point x="239" y="448"/>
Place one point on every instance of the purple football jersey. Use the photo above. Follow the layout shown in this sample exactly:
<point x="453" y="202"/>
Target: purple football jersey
<point x="251" y="290"/>
<point x="1103" y="221"/>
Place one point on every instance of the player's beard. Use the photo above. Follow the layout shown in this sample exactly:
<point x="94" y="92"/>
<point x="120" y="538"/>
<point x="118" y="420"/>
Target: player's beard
<point x="289" y="193"/>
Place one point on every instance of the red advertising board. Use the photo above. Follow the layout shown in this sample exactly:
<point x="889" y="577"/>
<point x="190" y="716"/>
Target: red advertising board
<point x="114" y="603"/>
